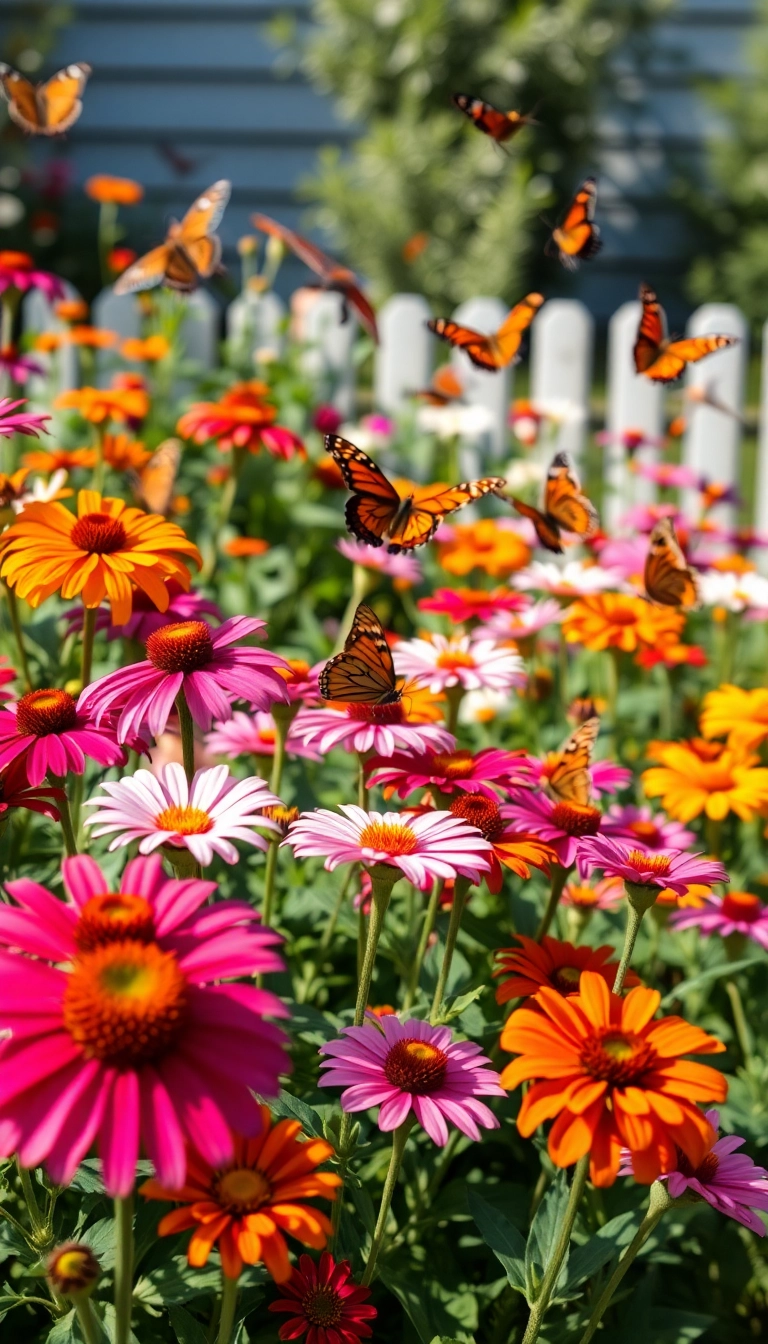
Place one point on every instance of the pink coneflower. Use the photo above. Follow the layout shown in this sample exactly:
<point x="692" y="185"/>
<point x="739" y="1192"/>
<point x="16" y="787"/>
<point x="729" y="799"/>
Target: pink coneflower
<point x="27" y="422"/>
<point x="423" y="848"/>
<point x="645" y="829"/>
<point x="603" y="895"/>
<point x="738" y="912"/>
<point x="574" y="579"/>
<point x="302" y="681"/>
<point x="382" y="729"/>
<point x="628" y="439"/>
<point x="668" y="474"/>
<point x="47" y="733"/>
<point x="475" y="664"/>
<point x="470" y="604"/>
<point x="145" y="618"/>
<point x="203" y="817"/>
<point x="189" y="656"/>
<point x="324" y="1303"/>
<point x="485" y="772"/>
<point x="18" y="271"/>
<point x="15" y="791"/>
<point x="132" y="1043"/>
<point x="530" y="620"/>
<point x="404" y="569"/>
<point x="674" y="869"/>
<point x="253" y="735"/>
<point x="564" y="826"/>
<point x="18" y="367"/>
<point x="412" y="1066"/>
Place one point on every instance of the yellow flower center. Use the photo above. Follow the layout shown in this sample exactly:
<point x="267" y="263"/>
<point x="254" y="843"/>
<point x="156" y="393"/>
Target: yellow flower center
<point x="416" y="1067"/>
<point x="108" y="919"/>
<point x="44" y="712"/>
<point x="453" y="764"/>
<point x="566" y="977"/>
<point x="644" y="830"/>
<point x="395" y="839"/>
<point x="618" y="1058"/>
<point x="183" y="646"/>
<point x="125" y="1003"/>
<point x="644" y="862"/>
<point x="576" y="820"/>
<point x="452" y="659"/>
<point x="244" y="1189"/>
<point x="184" y="820"/>
<point x="99" y="534"/>
<point x="282" y="815"/>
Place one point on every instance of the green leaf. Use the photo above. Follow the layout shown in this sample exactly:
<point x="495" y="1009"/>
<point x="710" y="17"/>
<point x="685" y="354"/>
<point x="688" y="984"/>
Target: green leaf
<point x="176" y="1282"/>
<point x="186" y="1329"/>
<point x="543" y="1236"/>
<point x="606" y="1244"/>
<point x="100" y="1236"/>
<point x="669" y="1326"/>
<point x="417" y="1297"/>
<point x="464" y="1000"/>
<point x="306" y="1019"/>
<point x="728" y="968"/>
<point x="501" y="1236"/>
<point x="63" y="1331"/>
<point x="294" y="1109"/>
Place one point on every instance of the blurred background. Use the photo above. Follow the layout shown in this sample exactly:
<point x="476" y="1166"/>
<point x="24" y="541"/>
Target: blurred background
<point x="335" y="115"/>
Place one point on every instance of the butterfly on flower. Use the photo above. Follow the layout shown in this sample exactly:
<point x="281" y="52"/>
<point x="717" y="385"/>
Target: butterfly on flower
<point x="332" y="274"/>
<point x="668" y="578"/>
<point x="566" y="775"/>
<point x="48" y="108"/>
<point x="502" y="347"/>
<point x="566" y="507"/>
<point x="377" y="513"/>
<point x="154" y="484"/>
<point x="363" y="673"/>
<point x="500" y="126"/>
<point x="661" y="359"/>
<point x="445" y="387"/>
<point x="191" y="251"/>
<point x="577" y="237"/>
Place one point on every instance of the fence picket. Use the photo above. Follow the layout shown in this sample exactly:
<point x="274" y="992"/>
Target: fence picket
<point x="256" y="322"/>
<point x="760" y="515"/>
<point x="404" y="358"/>
<point x="37" y="315"/>
<point x="713" y="437"/>
<point x="561" y="369"/>
<point x="633" y="403"/>
<point x="492" y="391"/>
<point x="330" y="330"/>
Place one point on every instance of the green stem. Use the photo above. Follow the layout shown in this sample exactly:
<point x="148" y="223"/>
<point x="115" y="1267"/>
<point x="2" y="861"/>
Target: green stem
<point x="123" y="1268"/>
<point x="740" y="1021"/>
<point x="426" y="930"/>
<point x="87" y="1319"/>
<point x="658" y="1204"/>
<point x="68" y="830"/>
<point x="13" y="612"/>
<point x="714" y="831"/>
<point x="460" y="888"/>
<point x="362" y="583"/>
<point x="30" y="1199"/>
<point x="454" y="696"/>
<point x="187" y="729"/>
<point x="639" y="899"/>
<point x="89" y="628"/>
<point x="268" y="906"/>
<point x="383" y="879"/>
<point x="552" y="1271"/>
<point x="228" y="1305"/>
<point x="559" y="878"/>
<point x="399" y="1140"/>
<point x="330" y="928"/>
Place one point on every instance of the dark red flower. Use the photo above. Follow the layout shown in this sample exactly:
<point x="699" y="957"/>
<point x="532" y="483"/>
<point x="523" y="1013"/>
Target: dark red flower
<point x="321" y="1300"/>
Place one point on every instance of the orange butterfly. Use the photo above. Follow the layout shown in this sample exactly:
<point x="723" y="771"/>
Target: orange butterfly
<point x="491" y="352"/>
<point x="155" y="483"/>
<point x="498" y="125"/>
<point x="566" y="507"/>
<point x="191" y="251"/>
<point x="376" y="512"/>
<point x="332" y="273"/>
<point x="445" y="387"/>
<point x="577" y="238"/>
<point x="566" y="776"/>
<point x="364" y="672"/>
<point x="48" y="108"/>
<point x="668" y="578"/>
<point x="663" y="360"/>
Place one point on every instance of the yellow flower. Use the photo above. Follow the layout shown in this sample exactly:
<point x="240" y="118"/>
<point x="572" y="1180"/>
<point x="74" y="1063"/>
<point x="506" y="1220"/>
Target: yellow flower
<point x="620" y="621"/>
<point x="151" y="349"/>
<point x="485" y="545"/>
<point x="698" y="777"/>
<point x="740" y="715"/>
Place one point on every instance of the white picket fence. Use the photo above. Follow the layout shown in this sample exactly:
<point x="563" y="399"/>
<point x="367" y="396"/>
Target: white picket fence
<point x="561" y="374"/>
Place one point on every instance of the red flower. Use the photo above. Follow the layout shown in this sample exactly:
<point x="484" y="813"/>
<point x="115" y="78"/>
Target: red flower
<point x="321" y="1300"/>
<point x="553" y="963"/>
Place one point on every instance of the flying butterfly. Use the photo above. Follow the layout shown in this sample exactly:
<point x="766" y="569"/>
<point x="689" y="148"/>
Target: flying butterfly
<point x="445" y="387"/>
<point x="577" y="237"/>
<point x="154" y="484"/>
<point x="332" y="274"/>
<point x="501" y="348"/>
<point x="661" y="359"/>
<point x="500" y="126"/>
<point x="567" y="777"/>
<point x="668" y="578"/>
<point x="363" y="673"/>
<point x="49" y="108"/>
<point x="377" y="513"/>
<point x="191" y="251"/>
<point x="566" y="507"/>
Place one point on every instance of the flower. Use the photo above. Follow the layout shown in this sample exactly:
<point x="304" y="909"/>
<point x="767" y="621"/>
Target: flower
<point x="101" y="553"/>
<point x="94" y="337"/>
<point x="301" y="680"/>
<point x="235" y="421"/>
<point x="108" y="190"/>
<point x="244" y="547"/>
<point x="124" y="454"/>
<point x="553" y="963"/>
<point x="245" y="1203"/>
<point x="692" y="898"/>
<point x="15" y="791"/>
<point x="26" y="422"/>
<point x="629" y="439"/>
<point x="739" y="714"/>
<point x="145" y="619"/>
<point x="138" y="1038"/>
<point x="46" y="733"/>
<point x="734" y="1185"/>
<point x="189" y="657"/>
<point x="668" y="474"/>
<point x="510" y="849"/>
<point x="469" y="604"/>
<point x="326" y="419"/>
<point x="453" y="419"/>
<point x="524" y="421"/>
<point x="672" y="869"/>
<point x="97" y="404"/>
<point x="485" y="772"/>
<point x="443" y="661"/>
<point x="574" y="579"/>
<point x="697" y="776"/>
<point x="604" y="895"/>
<point x="203" y="816"/>
<point x="645" y="829"/>
<point x="12" y="487"/>
<point x="327" y="471"/>
<point x="18" y="367"/>
<point x="71" y="310"/>
<point x="149" y="350"/>
<point x="253" y="735"/>
<point x="522" y="624"/>
<point x="382" y="729"/>
<point x="485" y="545"/>
<point x="738" y="912"/>
<point x="72" y="1269"/>
<point x="321" y="1300"/>
<point x="611" y="1076"/>
<point x="412" y="1066"/>
<point x="120" y="258"/>
<point x="672" y="655"/>
<point x="18" y="271"/>
<point x="59" y="459"/>
<point x="620" y="621"/>
<point x="735" y="592"/>
<point x="423" y="848"/>
<point x="561" y="825"/>
<point x="404" y="569"/>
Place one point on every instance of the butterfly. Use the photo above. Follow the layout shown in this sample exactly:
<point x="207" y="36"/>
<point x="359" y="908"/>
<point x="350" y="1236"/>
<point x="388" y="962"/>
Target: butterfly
<point x="496" y="351"/>
<point x="376" y="512"/>
<point x="498" y="125"/>
<point x="663" y="360"/>
<point x="668" y="577"/>
<point x="155" y="483"/>
<point x="332" y="273"/>
<point x="577" y="238"/>
<point x="445" y="387"/>
<point x="566" y="507"/>
<point x="567" y="777"/>
<point x="191" y="251"/>
<point x="364" y="672"/>
<point x="48" y="108"/>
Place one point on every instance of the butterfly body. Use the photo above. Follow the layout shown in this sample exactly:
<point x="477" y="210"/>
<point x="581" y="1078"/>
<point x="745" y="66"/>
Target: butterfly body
<point x="668" y="578"/>
<point x="567" y="776"/>
<point x="500" y="126"/>
<point x="566" y="507"/>
<point x="49" y="108"/>
<point x="663" y="360"/>
<point x="496" y="351"/>
<point x="363" y="673"/>
<point x="191" y="251"/>
<point x="332" y="274"/>
<point x="577" y="237"/>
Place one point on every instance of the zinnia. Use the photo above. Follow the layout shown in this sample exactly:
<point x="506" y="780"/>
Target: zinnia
<point x="486" y="545"/>
<point x="697" y="776"/>
<point x="740" y="715"/>
<point x="322" y="1300"/>
<point x="620" y="621"/>
<point x="553" y="963"/>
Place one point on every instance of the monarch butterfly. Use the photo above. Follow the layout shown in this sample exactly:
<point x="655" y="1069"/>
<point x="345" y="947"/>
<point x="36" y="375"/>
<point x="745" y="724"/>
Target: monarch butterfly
<point x="566" y="507"/>
<point x="577" y="238"/>
<point x="667" y="576"/>
<point x="48" y="108"/>
<point x="445" y="387"/>
<point x="496" y="351"/>
<point x="566" y="772"/>
<point x="363" y="673"/>
<point x="332" y="273"/>
<point x="376" y="512"/>
<point x="498" y="125"/>
<point x="190" y="252"/>
<point x="154" y="484"/>
<point x="663" y="360"/>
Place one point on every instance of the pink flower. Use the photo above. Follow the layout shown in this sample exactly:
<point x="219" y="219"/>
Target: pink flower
<point x="324" y="1303"/>
<point x="521" y="624"/>
<point x="671" y="869"/>
<point x="123" y="1027"/>
<point x="738" y="912"/>
<point x="382" y="729"/>
<point x="644" y="517"/>
<point x="203" y="817"/>
<point x="629" y="439"/>
<point x="467" y="604"/>
<point x="145" y="619"/>
<point x="326" y="419"/>
<point x="449" y="771"/>
<point x="405" y="569"/>
<point x="27" y="422"/>
<point x="668" y="474"/>
<point x="189" y="656"/>
<point x="432" y="845"/>
<point x="573" y="579"/>
<point x="282" y="442"/>
<point x="646" y="829"/>
<point x="18" y="271"/>
<point x="625" y="556"/>
<point x="18" y="367"/>
<point x="474" y="664"/>
<point x="561" y="825"/>
<point x="412" y="1066"/>
<point x="48" y="733"/>
<point x="253" y="735"/>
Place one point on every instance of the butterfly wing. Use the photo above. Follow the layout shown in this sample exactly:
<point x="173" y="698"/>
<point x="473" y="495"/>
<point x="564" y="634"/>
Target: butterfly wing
<point x="577" y="238"/>
<point x="564" y="500"/>
<point x="476" y="346"/>
<point x="148" y="271"/>
<point x="308" y="252"/>
<point x="204" y="215"/>
<point x="422" y="519"/>
<point x="158" y="478"/>
<point x="59" y="99"/>
<point x="668" y="578"/>
<point x="508" y="338"/>
<point x="651" y="333"/>
<point x="568" y="779"/>
<point x="678" y="354"/>
<point x="547" y="530"/>
<point x="375" y="501"/>
<point x="445" y="387"/>
<point x="21" y="96"/>
<point x="364" y="672"/>
<point x="487" y="118"/>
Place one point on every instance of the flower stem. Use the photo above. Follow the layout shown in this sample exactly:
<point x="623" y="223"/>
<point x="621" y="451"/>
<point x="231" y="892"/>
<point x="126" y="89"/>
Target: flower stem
<point x="187" y="736"/>
<point x="454" y="696"/>
<point x="68" y="830"/>
<point x="383" y="879"/>
<point x="13" y="612"/>
<point x="123" y="1268"/>
<point x="559" y="875"/>
<point x="362" y="583"/>
<point x="552" y="1271"/>
<point x="460" y="888"/>
<point x="30" y="1199"/>
<point x="426" y="929"/>
<point x="330" y="928"/>
<point x="87" y="1320"/>
<point x="399" y="1140"/>
<point x="89" y="627"/>
<point x="228" y="1305"/>
<point x="640" y="897"/>
<point x="658" y="1204"/>
<point x="740" y="1021"/>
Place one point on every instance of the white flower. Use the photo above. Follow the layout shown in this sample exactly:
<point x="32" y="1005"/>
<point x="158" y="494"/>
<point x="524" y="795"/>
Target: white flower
<point x="573" y="579"/>
<point x="522" y="474"/>
<point x="475" y="664"/>
<point x="736" y="592"/>
<point x="42" y="491"/>
<point x="449" y="422"/>
<point x="482" y="706"/>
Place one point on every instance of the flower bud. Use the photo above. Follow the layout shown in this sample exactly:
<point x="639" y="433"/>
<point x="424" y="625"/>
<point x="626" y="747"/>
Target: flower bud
<point x="72" y="1269"/>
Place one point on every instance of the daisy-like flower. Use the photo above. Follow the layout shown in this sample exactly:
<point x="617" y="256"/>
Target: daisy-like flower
<point x="668" y="474"/>
<point x="696" y="777"/>
<point x="736" y="592"/>
<point x="324" y="1303"/>
<point x="145" y="618"/>
<point x="564" y="826"/>
<point x="693" y="898"/>
<point x="60" y="459"/>
<point x="94" y="337"/>
<point x="524" y="420"/>
<point x="603" y="895"/>
<point x="241" y="418"/>
<point x="611" y="1077"/>
<point x="18" y="367"/>
<point x="625" y="556"/>
<point x="628" y="439"/>
<point x="382" y="729"/>
<point x="24" y="422"/>
<point x="253" y="735"/>
<point x="553" y="963"/>
<point x="673" y="869"/>
<point x="486" y="545"/>
<point x="148" y="350"/>
<point x="301" y="680"/>
<point x="451" y="420"/>
<point x="47" y="734"/>
<point x="18" y="271"/>
<point x="738" y="912"/>
<point x="509" y="849"/>
<point x="522" y="624"/>
<point x="620" y="621"/>
<point x="109" y="190"/>
<point x="42" y="492"/>
<point x="443" y="661"/>
<point x="462" y="605"/>
<point x="435" y="844"/>
<point x="16" y="791"/>
<point x="405" y="1067"/>
<point x="123" y="453"/>
<point x="484" y="772"/>
<point x="246" y="1204"/>
<point x="739" y="715"/>
<point x="672" y="655"/>
<point x="106" y="551"/>
<point x="574" y="579"/>
<point x="189" y="657"/>
<point x="97" y="404"/>
<point x="645" y="829"/>
<point x="404" y="569"/>
<point x="203" y="817"/>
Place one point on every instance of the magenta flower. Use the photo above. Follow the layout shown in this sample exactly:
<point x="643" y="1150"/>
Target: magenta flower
<point x="738" y="912"/>
<point x="486" y="772"/>
<point x="18" y="367"/>
<point x="673" y="869"/>
<point x="145" y="619"/>
<point x="27" y="422"/>
<point x="136" y="1040"/>
<point x="669" y="474"/>
<point x="47" y="733"/>
<point x="253" y="735"/>
<point x="383" y="729"/>
<point x="326" y="419"/>
<point x="432" y="845"/>
<point x="412" y="1066"/>
<point x="646" y="829"/>
<point x="302" y="681"/>
<point x="282" y="442"/>
<point x="564" y="826"/>
<point x="459" y="660"/>
<point x="189" y="656"/>
<point x="466" y="604"/>
<point x="18" y="271"/>
<point x="404" y="568"/>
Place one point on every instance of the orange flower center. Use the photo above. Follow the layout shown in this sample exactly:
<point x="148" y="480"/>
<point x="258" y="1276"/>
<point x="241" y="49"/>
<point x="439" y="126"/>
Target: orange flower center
<point x="19" y="261"/>
<point x="566" y="978"/>
<point x="622" y="616"/>
<point x="655" y="863"/>
<point x="125" y="1003"/>
<point x="392" y="713"/>
<point x="616" y="1057"/>
<point x="282" y="815"/>
<point x="99" y="534"/>
<point x="705" y="1172"/>
<point x="416" y="1067"/>
<point x="184" y="820"/>
<point x="299" y="668"/>
<point x="243" y="1190"/>
<point x="395" y="839"/>
<point x="582" y="895"/>
<point x="323" y="1307"/>
<point x="741" y="905"/>
<point x="43" y="712"/>
<point x="645" y="830"/>
<point x="452" y="659"/>
<point x="183" y="646"/>
<point x="479" y="811"/>
<point x="110" y="919"/>
<point x="453" y="764"/>
<point x="575" y="819"/>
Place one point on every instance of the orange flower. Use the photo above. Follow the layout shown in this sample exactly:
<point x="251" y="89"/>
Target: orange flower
<point x="235" y="421"/>
<point x="12" y="487"/>
<point x="695" y="896"/>
<point x="109" y="190"/>
<point x="709" y="777"/>
<point x="740" y="715"/>
<point x="485" y="545"/>
<point x="553" y="963"/>
<point x="60" y="459"/>
<point x="421" y="706"/>
<point x="620" y="621"/>
<point x="413" y="248"/>
<point x="124" y="454"/>
<point x="245" y="546"/>
<point x="611" y="1077"/>
<point x="95" y="337"/>
<point x="104" y="552"/>
<point x="328" y="472"/>
<point x="510" y="848"/>
<point x="98" y="404"/>
<point x="148" y="350"/>
<point x="71" y="310"/>
<point x="246" y="1206"/>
